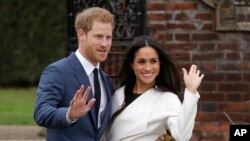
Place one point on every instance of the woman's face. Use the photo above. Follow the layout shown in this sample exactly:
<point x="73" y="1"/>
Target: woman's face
<point x="146" y="66"/>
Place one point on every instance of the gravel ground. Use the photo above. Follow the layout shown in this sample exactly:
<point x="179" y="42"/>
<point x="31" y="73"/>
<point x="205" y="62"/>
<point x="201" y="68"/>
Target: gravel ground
<point x="21" y="133"/>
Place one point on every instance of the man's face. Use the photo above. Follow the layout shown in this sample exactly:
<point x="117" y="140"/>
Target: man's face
<point x="95" y="44"/>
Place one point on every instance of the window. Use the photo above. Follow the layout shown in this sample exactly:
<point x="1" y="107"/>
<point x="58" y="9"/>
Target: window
<point x="231" y="15"/>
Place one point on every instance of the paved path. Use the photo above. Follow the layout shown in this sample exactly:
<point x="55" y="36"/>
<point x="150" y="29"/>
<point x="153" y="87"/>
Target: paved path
<point x="21" y="133"/>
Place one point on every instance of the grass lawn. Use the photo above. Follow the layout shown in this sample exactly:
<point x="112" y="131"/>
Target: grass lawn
<point x="16" y="106"/>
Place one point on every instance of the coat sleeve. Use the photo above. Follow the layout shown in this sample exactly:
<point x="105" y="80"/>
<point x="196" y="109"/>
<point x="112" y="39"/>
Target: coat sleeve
<point x="49" y="95"/>
<point x="181" y="123"/>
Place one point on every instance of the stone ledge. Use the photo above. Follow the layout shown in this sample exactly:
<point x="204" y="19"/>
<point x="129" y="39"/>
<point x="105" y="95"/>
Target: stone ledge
<point x="15" y="132"/>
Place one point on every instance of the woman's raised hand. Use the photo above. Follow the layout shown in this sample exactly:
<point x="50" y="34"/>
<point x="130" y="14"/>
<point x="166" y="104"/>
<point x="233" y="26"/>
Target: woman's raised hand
<point x="192" y="78"/>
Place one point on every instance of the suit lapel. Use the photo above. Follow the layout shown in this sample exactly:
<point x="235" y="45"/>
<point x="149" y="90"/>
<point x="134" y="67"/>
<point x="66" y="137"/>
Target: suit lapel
<point x="107" y="111"/>
<point x="83" y="79"/>
<point x="107" y="84"/>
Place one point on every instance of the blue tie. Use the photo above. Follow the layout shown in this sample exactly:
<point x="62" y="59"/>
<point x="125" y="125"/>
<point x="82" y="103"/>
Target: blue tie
<point x="97" y="92"/>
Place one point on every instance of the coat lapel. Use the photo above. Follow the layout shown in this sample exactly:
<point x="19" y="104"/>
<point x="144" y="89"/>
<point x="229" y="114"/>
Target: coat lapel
<point x="135" y="117"/>
<point x="83" y="79"/>
<point x="108" y="88"/>
<point x="107" y="84"/>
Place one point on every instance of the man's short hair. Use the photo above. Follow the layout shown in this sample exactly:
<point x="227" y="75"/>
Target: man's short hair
<point x="84" y="19"/>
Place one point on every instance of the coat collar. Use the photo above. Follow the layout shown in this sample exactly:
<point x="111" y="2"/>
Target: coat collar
<point x="136" y="113"/>
<point x="81" y="75"/>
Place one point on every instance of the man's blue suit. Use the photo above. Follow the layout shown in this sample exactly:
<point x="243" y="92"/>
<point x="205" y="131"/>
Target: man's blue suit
<point x="58" y="84"/>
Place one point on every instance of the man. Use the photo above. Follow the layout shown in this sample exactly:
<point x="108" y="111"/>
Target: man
<point x="67" y="103"/>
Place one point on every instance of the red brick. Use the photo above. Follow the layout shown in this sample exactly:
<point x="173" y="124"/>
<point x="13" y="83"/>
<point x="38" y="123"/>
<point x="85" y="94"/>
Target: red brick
<point x="246" y="118"/>
<point x="209" y="107"/>
<point x="204" y="16"/>
<point x="207" y="47"/>
<point x="234" y="66"/>
<point x="215" y="76"/>
<point x="220" y="127"/>
<point x="207" y="66"/>
<point x="236" y="117"/>
<point x="182" y="37"/>
<point x="246" y="97"/>
<point x="160" y="36"/>
<point x="234" y="97"/>
<point x="184" y="26"/>
<point x="169" y="37"/>
<point x="235" y="107"/>
<point x="181" y="56"/>
<point x="208" y="26"/>
<point x="184" y="64"/>
<point x="181" y="6"/>
<point x="233" y="56"/>
<point x="204" y="36"/>
<point x="215" y="97"/>
<point x="179" y="47"/>
<point x="207" y="56"/>
<point x="246" y="77"/>
<point x="155" y="36"/>
<point x="181" y="17"/>
<point x="159" y="27"/>
<point x="246" y="56"/>
<point x="169" y="16"/>
<point x="233" y="77"/>
<point x="157" y="17"/>
<point x="205" y="132"/>
<point x="155" y="6"/>
<point x="210" y="116"/>
<point x="228" y="46"/>
<point x="233" y="87"/>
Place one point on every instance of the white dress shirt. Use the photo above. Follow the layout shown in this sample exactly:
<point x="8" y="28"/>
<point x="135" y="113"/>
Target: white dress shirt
<point x="89" y="68"/>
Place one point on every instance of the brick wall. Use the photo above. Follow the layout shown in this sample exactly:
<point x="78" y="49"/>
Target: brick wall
<point x="186" y="28"/>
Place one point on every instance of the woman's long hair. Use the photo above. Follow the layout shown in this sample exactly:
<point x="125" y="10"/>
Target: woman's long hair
<point x="168" y="78"/>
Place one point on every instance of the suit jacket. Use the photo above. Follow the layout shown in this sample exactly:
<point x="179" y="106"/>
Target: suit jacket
<point x="148" y="117"/>
<point x="58" y="84"/>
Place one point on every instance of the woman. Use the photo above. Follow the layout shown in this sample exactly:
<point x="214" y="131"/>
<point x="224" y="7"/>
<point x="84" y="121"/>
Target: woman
<point x="146" y="102"/>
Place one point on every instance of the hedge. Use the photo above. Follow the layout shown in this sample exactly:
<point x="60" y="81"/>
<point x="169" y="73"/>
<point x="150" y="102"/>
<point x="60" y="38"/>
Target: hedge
<point x="33" y="34"/>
